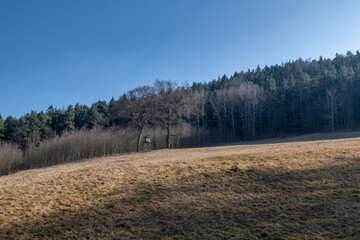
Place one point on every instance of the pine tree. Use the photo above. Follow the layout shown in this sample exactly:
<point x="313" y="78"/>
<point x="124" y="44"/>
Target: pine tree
<point x="69" y="119"/>
<point x="2" y="128"/>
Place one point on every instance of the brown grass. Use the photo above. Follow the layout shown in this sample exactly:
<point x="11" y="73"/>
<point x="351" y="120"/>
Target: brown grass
<point x="290" y="190"/>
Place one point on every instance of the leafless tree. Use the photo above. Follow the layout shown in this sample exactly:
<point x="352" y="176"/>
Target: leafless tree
<point x="232" y="95"/>
<point x="136" y="108"/>
<point x="332" y="104"/>
<point x="195" y="107"/>
<point x="219" y="103"/>
<point x="252" y="97"/>
<point x="243" y="100"/>
<point x="171" y="100"/>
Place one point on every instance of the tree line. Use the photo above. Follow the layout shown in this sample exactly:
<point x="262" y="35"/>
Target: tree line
<point x="296" y="97"/>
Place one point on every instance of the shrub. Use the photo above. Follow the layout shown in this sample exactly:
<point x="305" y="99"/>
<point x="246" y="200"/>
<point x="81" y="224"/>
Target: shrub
<point x="11" y="158"/>
<point x="85" y="143"/>
<point x="81" y="145"/>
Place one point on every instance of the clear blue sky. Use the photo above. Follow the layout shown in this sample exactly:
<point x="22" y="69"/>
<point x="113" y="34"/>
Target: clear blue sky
<point x="62" y="52"/>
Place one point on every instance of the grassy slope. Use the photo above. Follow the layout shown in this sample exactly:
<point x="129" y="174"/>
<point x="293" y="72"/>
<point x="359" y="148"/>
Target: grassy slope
<point x="293" y="189"/>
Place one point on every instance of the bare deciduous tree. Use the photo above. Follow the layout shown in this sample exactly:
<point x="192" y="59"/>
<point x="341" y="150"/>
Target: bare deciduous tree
<point x="252" y="98"/>
<point x="332" y="104"/>
<point x="243" y="98"/>
<point x="195" y="107"/>
<point x="171" y="100"/>
<point x="219" y="104"/>
<point x="137" y="110"/>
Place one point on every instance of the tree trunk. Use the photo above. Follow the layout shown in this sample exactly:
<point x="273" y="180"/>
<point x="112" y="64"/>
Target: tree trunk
<point x="301" y="111"/>
<point x="260" y="120"/>
<point x="332" y="118"/>
<point x="168" y="145"/>
<point x="138" y="144"/>
<point x="232" y="121"/>
<point x="253" y="121"/>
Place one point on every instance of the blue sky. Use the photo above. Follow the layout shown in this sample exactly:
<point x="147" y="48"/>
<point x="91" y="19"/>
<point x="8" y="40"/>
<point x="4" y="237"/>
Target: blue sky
<point x="62" y="52"/>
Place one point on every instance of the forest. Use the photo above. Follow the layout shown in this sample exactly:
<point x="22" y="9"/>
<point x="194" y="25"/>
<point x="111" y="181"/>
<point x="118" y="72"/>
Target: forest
<point x="296" y="97"/>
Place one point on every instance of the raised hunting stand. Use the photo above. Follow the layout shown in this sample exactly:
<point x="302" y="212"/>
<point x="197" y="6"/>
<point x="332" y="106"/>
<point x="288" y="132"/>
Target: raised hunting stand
<point x="147" y="143"/>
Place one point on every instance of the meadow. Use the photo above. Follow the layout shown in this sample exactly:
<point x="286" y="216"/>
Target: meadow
<point x="305" y="187"/>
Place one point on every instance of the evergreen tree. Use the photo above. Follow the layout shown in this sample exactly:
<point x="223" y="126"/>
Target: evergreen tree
<point x="45" y="126"/>
<point x="10" y="125"/>
<point x="96" y="115"/>
<point x="301" y="96"/>
<point x="69" y="125"/>
<point x="2" y="128"/>
<point x="81" y="116"/>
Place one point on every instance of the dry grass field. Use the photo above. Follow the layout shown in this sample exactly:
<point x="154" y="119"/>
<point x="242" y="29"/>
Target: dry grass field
<point x="298" y="188"/>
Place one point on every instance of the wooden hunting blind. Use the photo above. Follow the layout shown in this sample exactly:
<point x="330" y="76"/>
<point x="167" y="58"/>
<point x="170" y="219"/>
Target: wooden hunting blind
<point x="147" y="139"/>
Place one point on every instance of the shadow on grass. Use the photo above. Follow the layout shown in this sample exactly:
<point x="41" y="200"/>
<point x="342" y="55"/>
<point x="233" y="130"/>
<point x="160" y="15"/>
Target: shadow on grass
<point x="294" y="138"/>
<point x="231" y="203"/>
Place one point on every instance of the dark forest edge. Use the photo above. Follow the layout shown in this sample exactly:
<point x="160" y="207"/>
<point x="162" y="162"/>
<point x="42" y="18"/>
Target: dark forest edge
<point x="296" y="97"/>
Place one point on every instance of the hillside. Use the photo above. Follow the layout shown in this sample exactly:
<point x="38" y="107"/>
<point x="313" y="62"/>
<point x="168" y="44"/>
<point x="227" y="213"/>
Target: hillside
<point x="293" y="98"/>
<point x="294" y="188"/>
